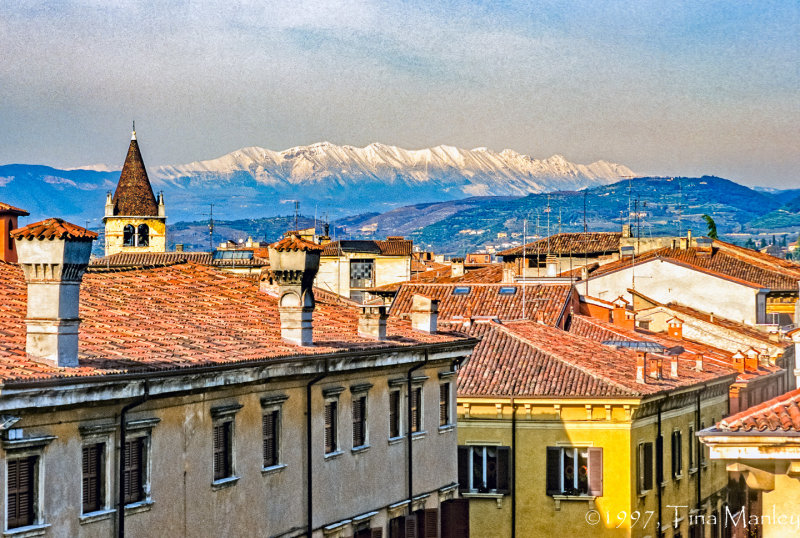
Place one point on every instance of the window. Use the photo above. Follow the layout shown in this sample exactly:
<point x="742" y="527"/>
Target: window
<point x="133" y="470"/>
<point x="644" y="466"/>
<point x="461" y="290"/>
<point x="444" y="404"/>
<point x="359" y="421"/>
<point x="128" y="236"/>
<point x="269" y="427"/>
<point x="660" y="459"/>
<point x="507" y="290"/>
<point x="93" y="477"/>
<point x="331" y="433"/>
<point x="394" y="414"/>
<point x="702" y="451"/>
<point x="21" y="488"/>
<point x="574" y="471"/>
<point x="416" y="409"/>
<point x="677" y="454"/>
<point x="361" y="273"/>
<point x="692" y="448"/>
<point x="143" y="236"/>
<point x="483" y="469"/>
<point x="133" y="236"/>
<point x="223" y="450"/>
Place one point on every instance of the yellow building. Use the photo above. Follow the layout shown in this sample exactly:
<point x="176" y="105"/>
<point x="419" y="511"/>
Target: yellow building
<point x="134" y="220"/>
<point x="561" y="435"/>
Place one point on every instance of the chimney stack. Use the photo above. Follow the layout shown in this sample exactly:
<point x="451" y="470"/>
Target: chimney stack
<point x="424" y="313"/>
<point x="673" y="366"/>
<point x="552" y="266"/>
<point x="8" y="221"/>
<point x="738" y="361"/>
<point x="372" y="321"/>
<point x="675" y="328"/>
<point x="641" y="365"/>
<point x="53" y="255"/>
<point x="698" y="362"/>
<point x="751" y="360"/>
<point x="162" y="210"/>
<point x="656" y="365"/>
<point x="294" y="264"/>
<point x="456" y="267"/>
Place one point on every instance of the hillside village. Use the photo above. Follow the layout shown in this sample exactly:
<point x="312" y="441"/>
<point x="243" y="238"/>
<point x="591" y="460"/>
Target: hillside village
<point x="580" y="384"/>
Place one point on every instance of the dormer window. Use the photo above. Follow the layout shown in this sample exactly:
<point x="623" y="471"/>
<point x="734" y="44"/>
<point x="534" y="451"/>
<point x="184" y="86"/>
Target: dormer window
<point x="136" y="237"/>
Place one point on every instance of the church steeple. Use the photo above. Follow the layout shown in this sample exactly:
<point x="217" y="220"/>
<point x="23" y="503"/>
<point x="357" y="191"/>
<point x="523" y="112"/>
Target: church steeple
<point x="134" y="195"/>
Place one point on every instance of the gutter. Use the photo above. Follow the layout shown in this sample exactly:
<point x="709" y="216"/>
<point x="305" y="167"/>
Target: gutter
<point x="309" y="451"/>
<point x="410" y="433"/>
<point x="121" y="460"/>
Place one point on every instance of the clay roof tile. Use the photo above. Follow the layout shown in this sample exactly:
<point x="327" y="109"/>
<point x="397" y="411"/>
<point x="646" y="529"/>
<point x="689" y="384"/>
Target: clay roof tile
<point x="53" y="229"/>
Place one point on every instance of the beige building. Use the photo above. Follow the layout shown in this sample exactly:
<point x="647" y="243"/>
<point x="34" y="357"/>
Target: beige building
<point x="181" y="400"/>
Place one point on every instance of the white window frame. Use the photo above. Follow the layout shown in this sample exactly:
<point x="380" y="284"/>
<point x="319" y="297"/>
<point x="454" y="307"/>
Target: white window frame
<point x="331" y="395"/>
<point x="221" y="415"/>
<point x="270" y="404"/>
<point x="25" y="447"/>
<point x="142" y="428"/>
<point x="400" y="406"/>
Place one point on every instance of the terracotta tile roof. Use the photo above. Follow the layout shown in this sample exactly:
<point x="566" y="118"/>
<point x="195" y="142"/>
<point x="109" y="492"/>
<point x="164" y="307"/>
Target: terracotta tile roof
<point x="485" y="300"/>
<point x="152" y="259"/>
<point x="731" y="325"/>
<point x="525" y="358"/>
<point x="394" y="247"/>
<point x="134" y="195"/>
<point x="569" y="243"/>
<point x="181" y="316"/>
<point x="293" y="242"/>
<point x="490" y="274"/>
<point x="781" y="414"/>
<point x="10" y="209"/>
<point x="727" y="261"/>
<point x="53" y="229"/>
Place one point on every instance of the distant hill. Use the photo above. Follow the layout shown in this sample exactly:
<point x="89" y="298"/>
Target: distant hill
<point x="786" y="217"/>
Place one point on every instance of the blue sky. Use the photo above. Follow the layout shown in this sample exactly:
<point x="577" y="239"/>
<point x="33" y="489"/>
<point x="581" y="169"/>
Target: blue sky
<point x="663" y="87"/>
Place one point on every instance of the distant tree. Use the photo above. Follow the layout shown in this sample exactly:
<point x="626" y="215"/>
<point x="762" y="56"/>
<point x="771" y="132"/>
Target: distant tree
<point x="773" y="239"/>
<point x="783" y="240"/>
<point x="761" y="242"/>
<point x="750" y="244"/>
<point x="712" y="227"/>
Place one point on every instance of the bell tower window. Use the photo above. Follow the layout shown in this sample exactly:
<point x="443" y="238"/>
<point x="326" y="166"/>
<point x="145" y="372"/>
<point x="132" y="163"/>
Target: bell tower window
<point x="136" y="237"/>
<point x="143" y="236"/>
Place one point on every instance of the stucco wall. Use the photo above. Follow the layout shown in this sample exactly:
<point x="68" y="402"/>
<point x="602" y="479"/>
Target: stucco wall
<point x="334" y="272"/>
<point x="114" y="234"/>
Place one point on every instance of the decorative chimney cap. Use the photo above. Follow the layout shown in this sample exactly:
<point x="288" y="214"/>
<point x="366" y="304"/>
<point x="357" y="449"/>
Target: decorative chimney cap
<point x="7" y="209"/>
<point x="293" y="242"/>
<point x="54" y="229"/>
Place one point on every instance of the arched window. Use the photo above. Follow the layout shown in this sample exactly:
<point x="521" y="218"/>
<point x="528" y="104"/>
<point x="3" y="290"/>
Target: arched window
<point x="143" y="238"/>
<point x="128" y="235"/>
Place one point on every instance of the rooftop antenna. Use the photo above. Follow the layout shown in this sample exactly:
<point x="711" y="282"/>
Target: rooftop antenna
<point x="585" y="192"/>
<point x="547" y="210"/>
<point x="538" y="273"/>
<point x="296" y="211"/>
<point x="680" y="207"/>
<point x="211" y="228"/>
<point x="524" y="263"/>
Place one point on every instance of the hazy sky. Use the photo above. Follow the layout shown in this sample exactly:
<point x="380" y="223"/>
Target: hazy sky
<point x="665" y="87"/>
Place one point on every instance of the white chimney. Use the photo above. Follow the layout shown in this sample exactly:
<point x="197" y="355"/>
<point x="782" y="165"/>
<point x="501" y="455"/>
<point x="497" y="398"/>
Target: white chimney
<point x="424" y="313"/>
<point x="372" y="322"/>
<point x="552" y="266"/>
<point x="673" y="366"/>
<point x="294" y="264"/>
<point x="456" y="267"/>
<point x="53" y="255"/>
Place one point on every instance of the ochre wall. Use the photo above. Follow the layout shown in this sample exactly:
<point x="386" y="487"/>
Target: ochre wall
<point x="114" y="234"/>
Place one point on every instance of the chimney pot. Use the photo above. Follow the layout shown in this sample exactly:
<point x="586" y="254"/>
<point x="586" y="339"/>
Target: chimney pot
<point x="424" y="314"/>
<point x="456" y="267"/>
<point x="698" y="362"/>
<point x="641" y="365"/>
<point x="673" y="367"/>
<point x="372" y="322"/>
<point x="552" y="266"/>
<point x="738" y="361"/>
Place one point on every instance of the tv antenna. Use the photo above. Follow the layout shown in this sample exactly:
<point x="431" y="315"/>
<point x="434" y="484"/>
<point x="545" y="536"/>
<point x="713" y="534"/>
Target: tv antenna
<point x="211" y="228"/>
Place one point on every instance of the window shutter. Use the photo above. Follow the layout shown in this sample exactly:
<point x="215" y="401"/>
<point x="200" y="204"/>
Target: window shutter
<point x="659" y="459"/>
<point x="596" y="472"/>
<point x="463" y="467"/>
<point x="431" y="523"/>
<point x="455" y="518"/>
<point x="377" y="532"/>
<point x="647" y="481"/>
<point x="133" y="470"/>
<point x="553" y="470"/>
<point x="444" y="404"/>
<point x="394" y="410"/>
<point x="411" y="526"/>
<point x="397" y="527"/>
<point x="92" y="474"/>
<point x="503" y="466"/>
<point x="20" y="493"/>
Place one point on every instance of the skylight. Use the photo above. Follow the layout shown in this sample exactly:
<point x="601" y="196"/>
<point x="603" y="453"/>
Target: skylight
<point x="507" y="290"/>
<point x="461" y="290"/>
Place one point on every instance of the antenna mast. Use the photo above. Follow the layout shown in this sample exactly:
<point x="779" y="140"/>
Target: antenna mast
<point x="211" y="229"/>
<point x="524" y="262"/>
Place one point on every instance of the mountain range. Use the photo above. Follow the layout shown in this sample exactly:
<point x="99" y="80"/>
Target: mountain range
<point x="337" y="180"/>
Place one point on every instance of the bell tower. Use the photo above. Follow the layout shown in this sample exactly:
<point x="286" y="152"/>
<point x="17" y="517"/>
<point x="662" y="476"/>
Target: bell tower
<point x="134" y="220"/>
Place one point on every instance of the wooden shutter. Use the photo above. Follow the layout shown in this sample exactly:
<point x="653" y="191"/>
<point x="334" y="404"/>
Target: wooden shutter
<point x="416" y="393"/>
<point x="359" y="421"/>
<point x="463" y="468"/>
<point x="659" y="460"/>
<point x="20" y="499"/>
<point x="133" y="470"/>
<point x="394" y="413"/>
<point x="430" y="525"/>
<point x="377" y="532"/>
<point x="444" y="404"/>
<point x="596" y="472"/>
<point x="330" y="427"/>
<point x="92" y="477"/>
<point x="503" y="466"/>
<point x="455" y="518"/>
<point x="397" y="527"/>
<point x="222" y="445"/>
<point x="647" y="466"/>
<point x="411" y="526"/>
<point x="270" y="431"/>
<point x="553" y="470"/>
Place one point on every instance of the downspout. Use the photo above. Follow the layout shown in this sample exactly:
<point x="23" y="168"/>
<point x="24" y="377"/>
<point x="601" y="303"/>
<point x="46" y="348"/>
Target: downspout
<point x="697" y="447"/>
<point x="309" y="467"/>
<point x="660" y="462"/>
<point x="513" y="469"/>
<point x="410" y="433"/>
<point x="121" y="461"/>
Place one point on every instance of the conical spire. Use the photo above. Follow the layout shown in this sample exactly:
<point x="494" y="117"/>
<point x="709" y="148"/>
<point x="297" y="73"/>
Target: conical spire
<point x="134" y="195"/>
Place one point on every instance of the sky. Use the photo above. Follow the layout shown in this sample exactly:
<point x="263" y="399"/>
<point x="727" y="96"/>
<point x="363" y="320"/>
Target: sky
<point x="666" y="88"/>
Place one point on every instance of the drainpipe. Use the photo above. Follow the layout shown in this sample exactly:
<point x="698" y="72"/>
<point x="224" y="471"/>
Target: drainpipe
<point x="697" y="447"/>
<point x="513" y="469"/>
<point x="410" y="433"/>
<point x="309" y="466"/>
<point x="122" y="430"/>
<point x="660" y="463"/>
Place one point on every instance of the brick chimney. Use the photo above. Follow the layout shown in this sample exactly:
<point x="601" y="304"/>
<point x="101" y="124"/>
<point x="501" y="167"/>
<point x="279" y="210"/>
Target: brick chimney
<point x="738" y="361"/>
<point x="294" y="264"/>
<point x="751" y="360"/>
<point x="641" y="365"/>
<point x="53" y="255"/>
<point x="675" y="328"/>
<point x="8" y="221"/>
<point x="698" y="362"/>
<point x="424" y="313"/>
<point x="372" y="321"/>
<point x="656" y="364"/>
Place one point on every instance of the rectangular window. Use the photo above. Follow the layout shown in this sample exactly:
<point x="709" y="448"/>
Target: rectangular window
<point x="416" y="409"/>
<point x="133" y="470"/>
<point x="394" y="414"/>
<point x="702" y="451"/>
<point x="574" y="471"/>
<point x="677" y="454"/>
<point x="660" y="459"/>
<point x="269" y="427"/>
<point x="21" y="498"/>
<point x="444" y="404"/>
<point x="483" y="469"/>
<point x="93" y="477"/>
<point x="362" y="273"/>
<point x="645" y="467"/>
<point x="223" y="450"/>
<point x="692" y="448"/>
<point x="331" y="444"/>
<point x="359" y="421"/>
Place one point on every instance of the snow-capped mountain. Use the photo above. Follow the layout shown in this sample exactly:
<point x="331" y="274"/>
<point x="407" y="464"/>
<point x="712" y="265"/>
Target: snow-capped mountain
<point x="460" y="172"/>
